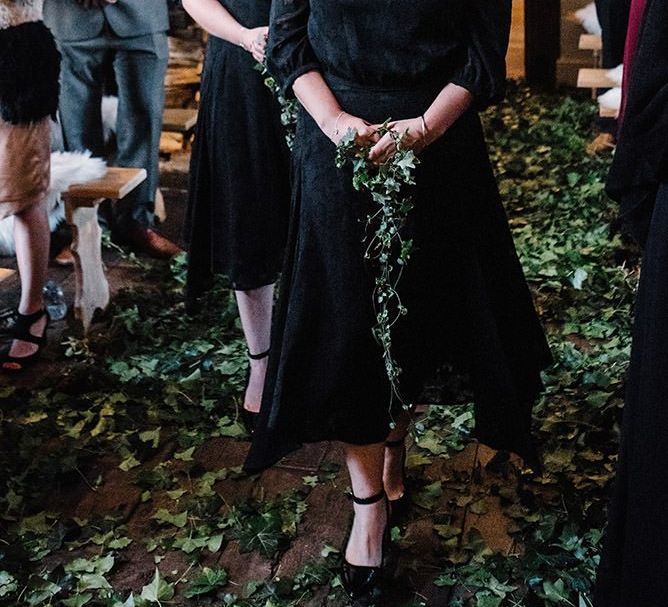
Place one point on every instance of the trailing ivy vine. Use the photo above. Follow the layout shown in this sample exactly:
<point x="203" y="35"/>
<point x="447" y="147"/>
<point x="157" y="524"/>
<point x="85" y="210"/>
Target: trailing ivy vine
<point x="386" y="249"/>
<point x="289" y="106"/>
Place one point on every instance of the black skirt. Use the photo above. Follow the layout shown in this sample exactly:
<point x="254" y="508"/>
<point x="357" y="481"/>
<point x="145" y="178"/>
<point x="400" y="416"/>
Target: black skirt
<point x="239" y="177"/>
<point x="634" y="565"/>
<point x="467" y="299"/>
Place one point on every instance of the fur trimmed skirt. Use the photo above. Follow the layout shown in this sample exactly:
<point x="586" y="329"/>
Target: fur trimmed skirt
<point x="25" y="165"/>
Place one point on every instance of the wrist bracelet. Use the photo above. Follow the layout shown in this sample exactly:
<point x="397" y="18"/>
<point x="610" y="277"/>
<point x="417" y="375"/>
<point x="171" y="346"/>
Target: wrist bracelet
<point x="425" y="130"/>
<point x="336" y="124"/>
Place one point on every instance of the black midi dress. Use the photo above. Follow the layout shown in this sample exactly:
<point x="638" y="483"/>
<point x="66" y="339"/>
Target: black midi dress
<point x="467" y="299"/>
<point x="239" y="199"/>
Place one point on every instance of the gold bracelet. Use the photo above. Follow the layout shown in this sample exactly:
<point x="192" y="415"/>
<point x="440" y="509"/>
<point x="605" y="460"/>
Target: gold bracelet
<point x="336" y="124"/>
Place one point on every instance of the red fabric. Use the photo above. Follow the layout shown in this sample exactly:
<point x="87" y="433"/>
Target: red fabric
<point x="632" y="36"/>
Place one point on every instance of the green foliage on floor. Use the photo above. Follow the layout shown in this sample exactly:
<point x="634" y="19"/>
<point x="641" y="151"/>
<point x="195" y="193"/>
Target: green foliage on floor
<point x="583" y="277"/>
<point x="152" y="389"/>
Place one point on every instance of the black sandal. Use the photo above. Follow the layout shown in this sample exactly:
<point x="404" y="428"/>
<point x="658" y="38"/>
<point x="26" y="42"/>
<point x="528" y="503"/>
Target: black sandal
<point x="249" y="418"/>
<point x="400" y="506"/>
<point x="21" y="332"/>
<point x="364" y="585"/>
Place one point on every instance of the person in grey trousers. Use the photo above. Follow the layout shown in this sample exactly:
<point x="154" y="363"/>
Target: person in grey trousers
<point x="130" y="35"/>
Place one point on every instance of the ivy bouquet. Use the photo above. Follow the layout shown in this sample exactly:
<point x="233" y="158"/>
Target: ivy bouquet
<point x="386" y="249"/>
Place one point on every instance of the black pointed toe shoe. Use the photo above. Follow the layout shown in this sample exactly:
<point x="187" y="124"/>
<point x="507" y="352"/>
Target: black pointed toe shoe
<point x="364" y="585"/>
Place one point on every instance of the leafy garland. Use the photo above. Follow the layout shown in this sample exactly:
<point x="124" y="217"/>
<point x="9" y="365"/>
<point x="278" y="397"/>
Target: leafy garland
<point x="386" y="249"/>
<point x="289" y="107"/>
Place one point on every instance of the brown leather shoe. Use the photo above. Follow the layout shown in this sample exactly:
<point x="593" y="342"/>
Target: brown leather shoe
<point x="603" y="143"/>
<point x="151" y="243"/>
<point x="65" y="258"/>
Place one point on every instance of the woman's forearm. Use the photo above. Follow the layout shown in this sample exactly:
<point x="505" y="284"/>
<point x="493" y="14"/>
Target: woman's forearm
<point x="215" y="19"/>
<point x="317" y="98"/>
<point x="446" y="109"/>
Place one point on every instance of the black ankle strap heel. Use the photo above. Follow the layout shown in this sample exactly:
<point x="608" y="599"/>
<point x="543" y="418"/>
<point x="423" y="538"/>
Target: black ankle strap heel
<point x="21" y="332"/>
<point x="249" y="418"/>
<point x="364" y="585"/>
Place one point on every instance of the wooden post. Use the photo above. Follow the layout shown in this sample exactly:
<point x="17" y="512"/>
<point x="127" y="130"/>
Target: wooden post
<point x="542" y="41"/>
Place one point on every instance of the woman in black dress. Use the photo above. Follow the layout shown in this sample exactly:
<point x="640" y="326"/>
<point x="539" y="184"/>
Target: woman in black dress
<point x="239" y="189"/>
<point x="431" y="64"/>
<point x="634" y="564"/>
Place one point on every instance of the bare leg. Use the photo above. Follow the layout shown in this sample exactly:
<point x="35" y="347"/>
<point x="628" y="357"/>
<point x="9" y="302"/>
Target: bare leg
<point x="393" y="473"/>
<point x="255" y="309"/>
<point x="365" y="466"/>
<point x="32" y="236"/>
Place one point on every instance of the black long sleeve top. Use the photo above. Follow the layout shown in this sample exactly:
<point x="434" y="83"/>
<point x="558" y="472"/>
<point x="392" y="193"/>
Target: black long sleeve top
<point x="393" y="43"/>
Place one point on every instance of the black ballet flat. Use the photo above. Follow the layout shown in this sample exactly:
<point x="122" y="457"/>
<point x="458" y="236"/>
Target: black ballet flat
<point x="249" y="418"/>
<point x="399" y="507"/>
<point x="364" y="585"/>
<point x="21" y="331"/>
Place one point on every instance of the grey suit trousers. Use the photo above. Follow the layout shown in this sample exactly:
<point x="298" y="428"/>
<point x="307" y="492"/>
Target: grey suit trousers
<point x="139" y="65"/>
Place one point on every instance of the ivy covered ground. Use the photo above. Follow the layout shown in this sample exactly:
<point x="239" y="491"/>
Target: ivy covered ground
<point x="121" y="484"/>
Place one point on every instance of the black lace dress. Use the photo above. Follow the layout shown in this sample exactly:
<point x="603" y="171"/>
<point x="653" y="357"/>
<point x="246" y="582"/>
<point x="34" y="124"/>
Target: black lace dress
<point x="467" y="299"/>
<point x="240" y="168"/>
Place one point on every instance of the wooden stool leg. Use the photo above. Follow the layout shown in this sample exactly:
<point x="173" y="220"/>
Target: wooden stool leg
<point x="160" y="211"/>
<point x="92" y="288"/>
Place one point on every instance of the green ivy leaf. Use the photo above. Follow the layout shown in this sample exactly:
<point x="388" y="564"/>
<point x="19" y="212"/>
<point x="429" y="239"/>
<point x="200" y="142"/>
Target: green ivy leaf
<point x="167" y="518"/>
<point x="207" y="582"/>
<point x="158" y="590"/>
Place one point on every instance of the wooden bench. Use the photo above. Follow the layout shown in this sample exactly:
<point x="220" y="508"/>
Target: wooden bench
<point x="590" y="42"/>
<point x="606" y="112"/>
<point x="81" y="204"/>
<point x="183" y="121"/>
<point x="6" y="273"/>
<point x="590" y="78"/>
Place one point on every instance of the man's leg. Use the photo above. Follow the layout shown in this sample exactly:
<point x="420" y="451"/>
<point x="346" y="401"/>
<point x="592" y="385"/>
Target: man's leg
<point x="81" y="94"/>
<point x="140" y="65"/>
<point x="614" y="18"/>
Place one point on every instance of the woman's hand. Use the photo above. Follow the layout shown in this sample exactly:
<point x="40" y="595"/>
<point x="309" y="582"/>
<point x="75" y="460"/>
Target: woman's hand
<point x="338" y="126"/>
<point x="255" y="41"/>
<point x="414" y="136"/>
